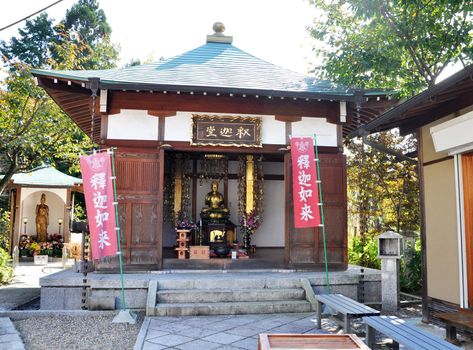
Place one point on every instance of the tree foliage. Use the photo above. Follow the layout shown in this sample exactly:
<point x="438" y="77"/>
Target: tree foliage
<point x="32" y="45"/>
<point x="33" y="128"/>
<point x="39" y="43"/>
<point x="396" y="44"/>
<point x="88" y="21"/>
<point x="383" y="192"/>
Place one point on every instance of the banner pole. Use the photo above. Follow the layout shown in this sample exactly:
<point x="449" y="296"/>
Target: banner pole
<point x="319" y="183"/>
<point x="124" y="316"/>
<point x="117" y="228"/>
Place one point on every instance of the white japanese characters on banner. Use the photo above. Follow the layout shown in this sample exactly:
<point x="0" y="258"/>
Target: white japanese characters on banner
<point x="304" y="183"/>
<point x="98" y="192"/>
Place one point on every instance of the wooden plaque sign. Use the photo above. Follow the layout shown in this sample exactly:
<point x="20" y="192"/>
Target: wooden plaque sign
<point x="214" y="130"/>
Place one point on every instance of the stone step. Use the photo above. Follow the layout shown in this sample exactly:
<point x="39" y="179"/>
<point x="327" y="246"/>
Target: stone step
<point x="228" y="295"/>
<point x="237" y="308"/>
<point x="226" y="282"/>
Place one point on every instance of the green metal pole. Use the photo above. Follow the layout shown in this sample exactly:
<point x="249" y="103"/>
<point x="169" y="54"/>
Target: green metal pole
<point x="117" y="227"/>
<point x="322" y="218"/>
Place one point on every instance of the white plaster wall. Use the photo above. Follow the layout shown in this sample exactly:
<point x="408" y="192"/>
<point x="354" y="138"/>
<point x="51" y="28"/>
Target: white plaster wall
<point x="132" y="124"/>
<point x="55" y="200"/>
<point x="274" y="131"/>
<point x="326" y="132"/>
<point x="455" y="135"/>
<point x="178" y="128"/>
<point x="271" y="232"/>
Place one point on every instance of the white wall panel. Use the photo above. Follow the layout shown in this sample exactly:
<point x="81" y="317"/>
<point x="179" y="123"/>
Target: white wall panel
<point x="274" y="131"/>
<point x="326" y="132"/>
<point x="132" y="125"/>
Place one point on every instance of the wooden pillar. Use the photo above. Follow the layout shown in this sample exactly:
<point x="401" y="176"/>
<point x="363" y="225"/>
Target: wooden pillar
<point x="18" y="219"/>
<point x="288" y="209"/>
<point x="160" y="209"/>
<point x="12" y="221"/>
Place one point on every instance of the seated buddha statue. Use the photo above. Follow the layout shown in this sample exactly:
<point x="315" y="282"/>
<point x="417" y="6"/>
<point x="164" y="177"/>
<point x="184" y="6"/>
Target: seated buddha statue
<point x="214" y="209"/>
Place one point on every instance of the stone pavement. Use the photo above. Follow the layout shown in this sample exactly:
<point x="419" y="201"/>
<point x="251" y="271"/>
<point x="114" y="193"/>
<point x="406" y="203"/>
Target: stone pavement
<point x="241" y="331"/>
<point x="9" y="337"/>
<point x="23" y="289"/>
<point x="219" y="332"/>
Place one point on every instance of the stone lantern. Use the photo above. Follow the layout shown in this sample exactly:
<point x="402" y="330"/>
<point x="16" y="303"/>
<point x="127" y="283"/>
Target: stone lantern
<point x="389" y="251"/>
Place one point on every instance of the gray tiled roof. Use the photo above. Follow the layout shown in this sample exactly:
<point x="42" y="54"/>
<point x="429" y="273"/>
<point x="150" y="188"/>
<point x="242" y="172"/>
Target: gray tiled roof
<point x="213" y="65"/>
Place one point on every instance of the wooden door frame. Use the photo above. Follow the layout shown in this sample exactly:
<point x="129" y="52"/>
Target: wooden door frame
<point x="467" y="209"/>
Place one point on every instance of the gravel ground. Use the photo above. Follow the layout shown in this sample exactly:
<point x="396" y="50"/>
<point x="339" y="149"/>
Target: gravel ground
<point x="77" y="332"/>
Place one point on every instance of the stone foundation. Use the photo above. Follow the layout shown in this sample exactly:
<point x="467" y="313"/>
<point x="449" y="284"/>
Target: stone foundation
<point x="63" y="290"/>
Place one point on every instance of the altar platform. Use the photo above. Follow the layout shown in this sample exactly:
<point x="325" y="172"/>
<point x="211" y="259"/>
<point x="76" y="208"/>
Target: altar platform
<point x="261" y="258"/>
<point x="199" y="292"/>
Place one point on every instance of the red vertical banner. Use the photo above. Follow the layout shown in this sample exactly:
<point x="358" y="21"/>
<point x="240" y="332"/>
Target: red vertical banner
<point x="305" y="191"/>
<point x="98" y="192"/>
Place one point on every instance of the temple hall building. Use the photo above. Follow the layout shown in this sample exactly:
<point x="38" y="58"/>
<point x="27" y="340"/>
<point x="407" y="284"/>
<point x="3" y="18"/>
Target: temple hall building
<point x="218" y="120"/>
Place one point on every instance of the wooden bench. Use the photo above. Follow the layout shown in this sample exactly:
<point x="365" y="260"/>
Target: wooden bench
<point x="349" y="308"/>
<point x="462" y="319"/>
<point x="310" y="341"/>
<point x="412" y="337"/>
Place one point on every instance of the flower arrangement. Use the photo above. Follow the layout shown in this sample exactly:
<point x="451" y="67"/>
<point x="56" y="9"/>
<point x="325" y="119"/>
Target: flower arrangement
<point x="52" y="247"/>
<point x="251" y="221"/>
<point x="183" y="222"/>
<point x="26" y="245"/>
<point x="57" y="243"/>
<point x="46" y="248"/>
<point x="35" y="248"/>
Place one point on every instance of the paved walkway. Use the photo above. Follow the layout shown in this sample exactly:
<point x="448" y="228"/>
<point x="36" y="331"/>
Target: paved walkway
<point x="241" y="331"/>
<point x="218" y="332"/>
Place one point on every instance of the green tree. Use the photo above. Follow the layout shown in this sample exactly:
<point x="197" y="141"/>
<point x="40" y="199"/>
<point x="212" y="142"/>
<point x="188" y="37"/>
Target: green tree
<point x="88" y="21"/>
<point x="34" y="129"/>
<point x="383" y="190"/>
<point x="33" y="44"/>
<point x="40" y="44"/>
<point x="396" y="44"/>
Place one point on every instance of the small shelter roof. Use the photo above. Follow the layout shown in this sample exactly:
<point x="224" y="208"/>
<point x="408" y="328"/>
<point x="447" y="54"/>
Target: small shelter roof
<point x="46" y="176"/>
<point x="444" y="98"/>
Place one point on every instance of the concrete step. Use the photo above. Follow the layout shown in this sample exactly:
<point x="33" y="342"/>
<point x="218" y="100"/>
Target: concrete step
<point x="228" y="295"/>
<point x="229" y="282"/>
<point x="235" y="308"/>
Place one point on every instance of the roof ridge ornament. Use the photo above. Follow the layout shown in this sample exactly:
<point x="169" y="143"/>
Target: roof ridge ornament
<point x="218" y="36"/>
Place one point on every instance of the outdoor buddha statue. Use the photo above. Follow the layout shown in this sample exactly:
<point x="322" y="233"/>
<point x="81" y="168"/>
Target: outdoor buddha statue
<point x="42" y="219"/>
<point x="214" y="209"/>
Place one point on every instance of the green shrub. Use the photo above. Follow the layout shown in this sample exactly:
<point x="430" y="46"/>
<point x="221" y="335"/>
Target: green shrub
<point x="411" y="273"/>
<point x="4" y="229"/>
<point x="6" y="272"/>
<point x="363" y="251"/>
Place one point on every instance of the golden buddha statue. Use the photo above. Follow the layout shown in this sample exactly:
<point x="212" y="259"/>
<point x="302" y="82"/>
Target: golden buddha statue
<point x="215" y="209"/>
<point x="42" y="219"/>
